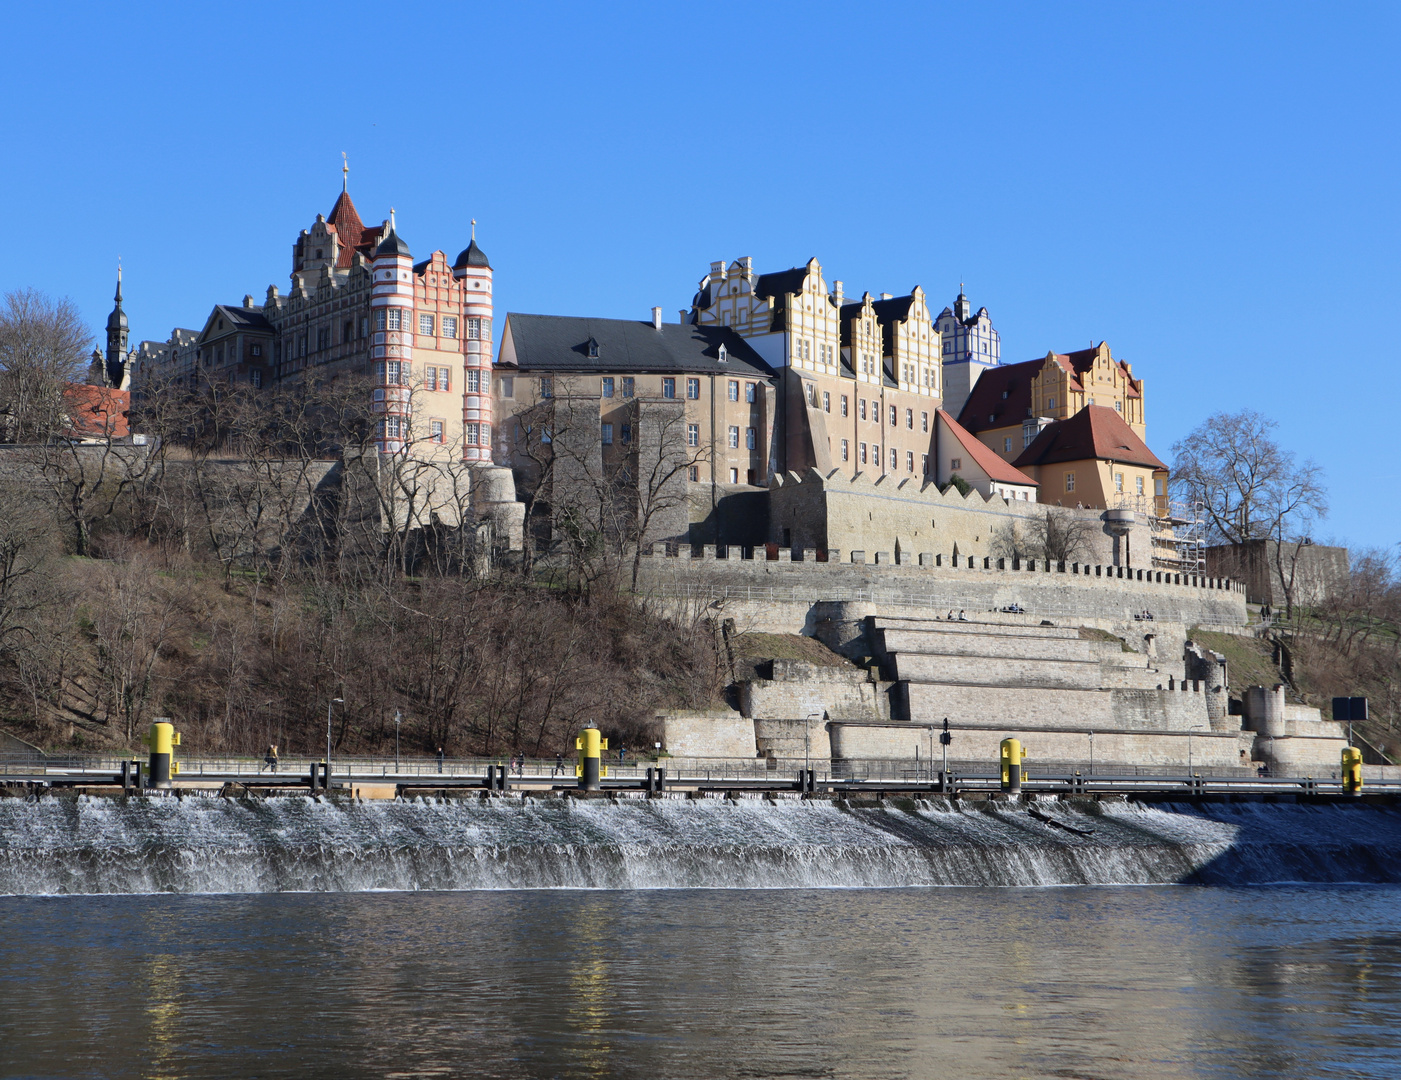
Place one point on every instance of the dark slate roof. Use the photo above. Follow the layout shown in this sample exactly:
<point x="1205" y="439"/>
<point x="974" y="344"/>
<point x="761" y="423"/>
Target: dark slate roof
<point x="242" y="318"/>
<point x="561" y="343"/>
<point x="887" y="312"/>
<point x="1094" y="433"/>
<point x="392" y="245"/>
<point x="783" y="282"/>
<point x="471" y="256"/>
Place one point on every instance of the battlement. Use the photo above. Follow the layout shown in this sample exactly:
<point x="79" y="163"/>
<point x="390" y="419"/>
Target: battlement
<point x="905" y="566"/>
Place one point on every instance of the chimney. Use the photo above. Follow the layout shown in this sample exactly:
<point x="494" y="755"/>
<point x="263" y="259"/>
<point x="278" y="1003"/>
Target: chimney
<point x="247" y="300"/>
<point x="657" y="318"/>
<point x="885" y="296"/>
<point x="685" y="316"/>
<point x="837" y="292"/>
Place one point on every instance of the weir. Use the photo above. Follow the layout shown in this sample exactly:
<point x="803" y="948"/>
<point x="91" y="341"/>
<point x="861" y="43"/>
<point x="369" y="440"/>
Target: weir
<point x="143" y="844"/>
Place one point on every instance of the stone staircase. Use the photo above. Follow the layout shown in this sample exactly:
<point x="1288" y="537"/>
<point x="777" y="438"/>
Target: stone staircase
<point x="992" y="673"/>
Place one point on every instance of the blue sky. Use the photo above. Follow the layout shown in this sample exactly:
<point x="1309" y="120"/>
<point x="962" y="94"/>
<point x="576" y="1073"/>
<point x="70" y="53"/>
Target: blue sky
<point x="1211" y="188"/>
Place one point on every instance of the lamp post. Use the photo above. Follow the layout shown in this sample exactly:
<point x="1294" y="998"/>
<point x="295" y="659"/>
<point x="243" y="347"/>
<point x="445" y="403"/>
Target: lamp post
<point x="329" y="706"/>
<point x="397" y="717"/>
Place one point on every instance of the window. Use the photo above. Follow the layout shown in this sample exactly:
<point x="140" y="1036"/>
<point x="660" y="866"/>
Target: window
<point x="474" y="381"/>
<point x="449" y="326"/>
<point x="692" y="434"/>
<point x="474" y="330"/>
<point x="751" y="438"/>
<point x="430" y="378"/>
<point x="734" y="476"/>
<point x="668" y="388"/>
<point x="894" y="416"/>
<point x="395" y="319"/>
<point x="863" y="408"/>
<point x="734" y="390"/>
<point x="751" y="392"/>
<point x="391" y="427"/>
<point x="734" y="438"/>
<point x="846" y="450"/>
<point x="894" y="459"/>
<point x="924" y="421"/>
<point x="379" y="319"/>
<point x="956" y="463"/>
<point x="364" y="326"/>
<point x="948" y="347"/>
<point x="1070" y="481"/>
<point x="924" y="464"/>
<point x="843" y="404"/>
<point x="627" y="386"/>
<point x="435" y="431"/>
<point x="472" y="433"/>
<point x="256" y="378"/>
<point x="811" y="395"/>
<point x="390" y="373"/>
<point x="1118" y="406"/>
<point x="255" y="350"/>
<point x="607" y="434"/>
<point x="608" y="386"/>
<point x="425" y="325"/>
<point x="909" y="461"/>
<point x="547" y="388"/>
<point x="486" y="382"/>
<point x="627" y="434"/>
<point x="693" y="389"/>
<point x="323" y="339"/>
<point x="1050" y="403"/>
<point x="863" y="453"/>
<point x="1119" y="483"/>
<point x="875" y="453"/>
<point x="508" y="386"/>
<point x="1138" y="484"/>
<point x="1007" y="445"/>
<point x="486" y="434"/>
<point x="910" y="419"/>
<point x="695" y="474"/>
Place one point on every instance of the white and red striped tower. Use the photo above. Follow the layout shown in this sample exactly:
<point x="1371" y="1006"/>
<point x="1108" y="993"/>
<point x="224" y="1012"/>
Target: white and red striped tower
<point x="391" y="352"/>
<point x="473" y="272"/>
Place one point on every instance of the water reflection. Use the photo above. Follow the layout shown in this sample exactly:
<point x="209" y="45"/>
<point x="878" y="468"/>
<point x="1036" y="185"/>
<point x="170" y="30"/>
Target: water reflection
<point x="1110" y="983"/>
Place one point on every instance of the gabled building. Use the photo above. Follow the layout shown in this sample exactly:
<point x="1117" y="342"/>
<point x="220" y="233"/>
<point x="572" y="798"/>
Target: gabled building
<point x="959" y="454"/>
<point x="1011" y="404"/>
<point x="1094" y="459"/>
<point x="969" y="346"/>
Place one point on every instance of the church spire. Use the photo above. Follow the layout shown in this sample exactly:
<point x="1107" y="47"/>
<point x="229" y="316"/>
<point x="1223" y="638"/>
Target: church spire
<point x="345" y="174"/>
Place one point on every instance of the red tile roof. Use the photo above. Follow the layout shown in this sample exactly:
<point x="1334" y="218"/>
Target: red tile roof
<point x="987" y="408"/>
<point x="349" y="229"/>
<point x="1095" y="432"/>
<point x="97" y="412"/>
<point x="982" y="456"/>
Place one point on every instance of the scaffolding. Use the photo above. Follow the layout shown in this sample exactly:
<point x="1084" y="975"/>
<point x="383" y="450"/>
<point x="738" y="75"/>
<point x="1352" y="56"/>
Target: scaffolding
<point x="1182" y="525"/>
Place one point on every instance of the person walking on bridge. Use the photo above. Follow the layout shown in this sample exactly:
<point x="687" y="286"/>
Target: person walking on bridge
<point x="270" y="759"/>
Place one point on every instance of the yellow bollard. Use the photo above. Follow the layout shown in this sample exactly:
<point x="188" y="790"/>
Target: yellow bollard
<point x="590" y="768"/>
<point x="1012" y="757"/>
<point x="162" y="741"/>
<point x="1352" y="771"/>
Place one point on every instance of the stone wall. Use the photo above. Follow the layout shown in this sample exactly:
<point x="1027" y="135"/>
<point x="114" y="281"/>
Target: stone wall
<point x="720" y="734"/>
<point x="1313" y="570"/>
<point x="905" y="516"/>
<point x="799" y="689"/>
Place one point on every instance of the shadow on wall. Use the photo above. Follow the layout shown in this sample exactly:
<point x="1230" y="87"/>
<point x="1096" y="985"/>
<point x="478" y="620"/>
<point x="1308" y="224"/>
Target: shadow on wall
<point x="739" y="516"/>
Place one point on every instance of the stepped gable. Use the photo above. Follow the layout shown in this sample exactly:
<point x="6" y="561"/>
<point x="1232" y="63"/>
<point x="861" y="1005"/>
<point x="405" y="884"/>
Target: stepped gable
<point x="1095" y="432"/>
<point x="990" y="463"/>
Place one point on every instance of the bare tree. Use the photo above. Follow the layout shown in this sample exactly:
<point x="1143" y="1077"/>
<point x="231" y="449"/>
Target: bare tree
<point x="1250" y="487"/>
<point x="666" y="449"/>
<point x="1061" y="535"/>
<point x="42" y="349"/>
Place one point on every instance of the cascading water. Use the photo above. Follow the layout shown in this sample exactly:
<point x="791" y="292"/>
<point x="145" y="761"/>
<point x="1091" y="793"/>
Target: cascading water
<point x="207" y="845"/>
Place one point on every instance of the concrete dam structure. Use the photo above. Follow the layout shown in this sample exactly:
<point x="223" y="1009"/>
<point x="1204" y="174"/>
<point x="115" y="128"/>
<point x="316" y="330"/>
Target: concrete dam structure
<point x="155" y="844"/>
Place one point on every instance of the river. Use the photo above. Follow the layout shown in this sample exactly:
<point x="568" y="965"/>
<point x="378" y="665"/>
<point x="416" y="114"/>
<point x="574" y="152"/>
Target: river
<point x="161" y="939"/>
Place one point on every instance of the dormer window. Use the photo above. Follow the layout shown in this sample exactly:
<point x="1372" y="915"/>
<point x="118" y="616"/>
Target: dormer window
<point x="593" y="349"/>
<point x="723" y="354"/>
<point x="1004" y="395"/>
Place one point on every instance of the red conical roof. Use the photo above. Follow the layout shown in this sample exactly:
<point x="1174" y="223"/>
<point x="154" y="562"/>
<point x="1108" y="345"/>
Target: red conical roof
<point x="346" y="221"/>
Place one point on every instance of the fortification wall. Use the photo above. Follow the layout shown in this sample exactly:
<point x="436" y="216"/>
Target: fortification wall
<point x="887" y="513"/>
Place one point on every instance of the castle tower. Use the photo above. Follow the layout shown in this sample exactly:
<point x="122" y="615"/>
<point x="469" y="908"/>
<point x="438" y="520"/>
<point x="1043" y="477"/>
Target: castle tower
<point x="473" y="272"/>
<point x="391" y="352"/>
<point x="970" y="345"/>
<point x="117" y="334"/>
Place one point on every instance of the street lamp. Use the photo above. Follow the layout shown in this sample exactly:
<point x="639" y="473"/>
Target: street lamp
<point x="329" y="706"/>
<point x="397" y="717"/>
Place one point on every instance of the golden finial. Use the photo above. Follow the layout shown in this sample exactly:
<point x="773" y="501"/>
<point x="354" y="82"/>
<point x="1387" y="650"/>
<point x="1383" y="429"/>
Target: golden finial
<point x="345" y="172"/>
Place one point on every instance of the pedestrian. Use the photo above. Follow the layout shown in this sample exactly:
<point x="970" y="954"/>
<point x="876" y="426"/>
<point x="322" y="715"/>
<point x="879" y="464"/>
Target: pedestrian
<point x="440" y="759"/>
<point x="559" y="766"/>
<point x="270" y="758"/>
<point x="520" y="764"/>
